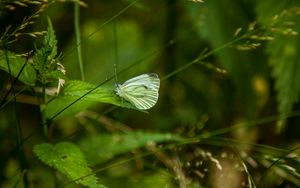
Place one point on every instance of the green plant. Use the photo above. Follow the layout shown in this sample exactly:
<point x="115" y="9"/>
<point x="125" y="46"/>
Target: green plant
<point x="223" y="74"/>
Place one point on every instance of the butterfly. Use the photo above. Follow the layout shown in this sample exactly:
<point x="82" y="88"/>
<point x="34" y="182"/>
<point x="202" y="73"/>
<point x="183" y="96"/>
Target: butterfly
<point x="141" y="91"/>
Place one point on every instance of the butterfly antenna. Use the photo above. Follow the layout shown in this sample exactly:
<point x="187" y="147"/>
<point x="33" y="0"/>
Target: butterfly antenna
<point x="115" y="40"/>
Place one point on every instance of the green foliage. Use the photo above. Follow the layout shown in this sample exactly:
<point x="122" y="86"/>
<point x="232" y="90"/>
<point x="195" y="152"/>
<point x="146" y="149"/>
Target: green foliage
<point x="218" y="62"/>
<point x="44" y="66"/>
<point x="44" y="59"/>
<point x="68" y="159"/>
<point x="285" y="62"/>
<point x="28" y="74"/>
<point x="50" y="42"/>
<point x="283" y="52"/>
<point x="103" y="147"/>
<point x="88" y="94"/>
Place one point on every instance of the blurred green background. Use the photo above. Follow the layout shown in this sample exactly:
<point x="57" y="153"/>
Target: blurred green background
<point x="229" y="79"/>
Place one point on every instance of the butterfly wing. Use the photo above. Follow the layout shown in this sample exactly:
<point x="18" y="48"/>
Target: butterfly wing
<point x="149" y="80"/>
<point x="141" y="91"/>
<point x="141" y="97"/>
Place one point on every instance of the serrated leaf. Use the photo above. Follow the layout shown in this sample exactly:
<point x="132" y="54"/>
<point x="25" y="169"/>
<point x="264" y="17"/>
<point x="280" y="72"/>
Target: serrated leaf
<point x="286" y="71"/>
<point x="50" y="41"/>
<point x="73" y="90"/>
<point x="283" y="51"/>
<point x="68" y="159"/>
<point x="103" y="147"/>
<point x="28" y="75"/>
<point x="44" y="58"/>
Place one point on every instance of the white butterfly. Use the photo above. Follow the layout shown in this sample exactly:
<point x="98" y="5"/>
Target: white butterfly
<point x="140" y="91"/>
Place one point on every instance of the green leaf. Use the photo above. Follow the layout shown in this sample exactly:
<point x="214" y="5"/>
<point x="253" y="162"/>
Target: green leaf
<point x="284" y="53"/>
<point x="103" y="147"/>
<point x="68" y="159"/>
<point x="285" y="62"/>
<point x="44" y="58"/>
<point x="50" y="41"/>
<point x="28" y="75"/>
<point x="74" y="90"/>
<point x="58" y="105"/>
<point x="103" y="94"/>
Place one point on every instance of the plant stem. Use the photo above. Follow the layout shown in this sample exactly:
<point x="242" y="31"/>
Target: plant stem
<point x="78" y="38"/>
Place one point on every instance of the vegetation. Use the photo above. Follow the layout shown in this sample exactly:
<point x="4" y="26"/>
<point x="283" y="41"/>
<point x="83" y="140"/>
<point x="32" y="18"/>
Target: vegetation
<point x="227" y="113"/>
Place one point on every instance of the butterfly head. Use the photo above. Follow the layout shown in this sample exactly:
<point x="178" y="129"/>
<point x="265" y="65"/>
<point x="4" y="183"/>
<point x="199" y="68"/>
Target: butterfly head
<point x="117" y="89"/>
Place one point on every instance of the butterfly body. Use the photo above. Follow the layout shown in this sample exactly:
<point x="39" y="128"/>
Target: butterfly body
<point x="140" y="91"/>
